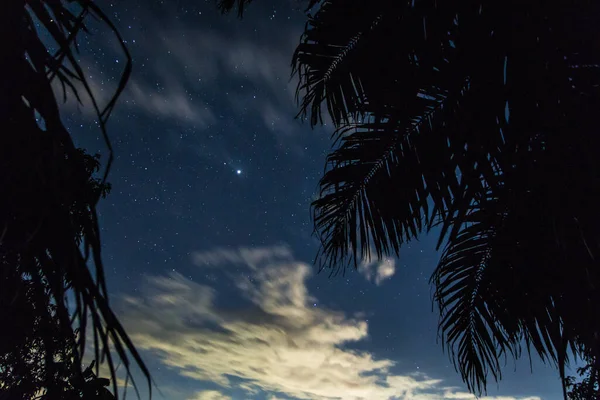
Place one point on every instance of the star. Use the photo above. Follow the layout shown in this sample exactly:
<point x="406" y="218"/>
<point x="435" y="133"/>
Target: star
<point x="239" y="172"/>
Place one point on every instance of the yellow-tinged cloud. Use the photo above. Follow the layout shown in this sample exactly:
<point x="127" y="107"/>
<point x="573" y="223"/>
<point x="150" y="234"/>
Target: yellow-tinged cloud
<point x="468" y="396"/>
<point x="280" y="343"/>
<point x="210" y="395"/>
<point x="378" y="270"/>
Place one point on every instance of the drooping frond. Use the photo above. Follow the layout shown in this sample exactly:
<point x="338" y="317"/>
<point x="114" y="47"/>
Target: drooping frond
<point x="420" y="126"/>
<point x="225" y="6"/>
<point x="501" y="282"/>
<point x="511" y="143"/>
<point x="324" y="58"/>
<point x="47" y="214"/>
<point x="470" y="318"/>
<point x="354" y="57"/>
<point x="488" y="301"/>
<point x="374" y="194"/>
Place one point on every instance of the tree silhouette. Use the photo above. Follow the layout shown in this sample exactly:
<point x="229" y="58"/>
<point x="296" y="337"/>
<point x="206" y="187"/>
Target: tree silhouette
<point x="589" y="386"/>
<point x="49" y="235"/>
<point x="36" y="354"/>
<point x="476" y="118"/>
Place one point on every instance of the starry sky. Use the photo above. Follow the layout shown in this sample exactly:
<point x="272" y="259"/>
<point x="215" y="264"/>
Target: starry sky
<point x="207" y="232"/>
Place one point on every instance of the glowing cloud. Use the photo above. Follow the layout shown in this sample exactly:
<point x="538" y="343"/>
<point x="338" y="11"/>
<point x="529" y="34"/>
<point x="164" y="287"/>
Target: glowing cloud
<point x="277" y="344"/>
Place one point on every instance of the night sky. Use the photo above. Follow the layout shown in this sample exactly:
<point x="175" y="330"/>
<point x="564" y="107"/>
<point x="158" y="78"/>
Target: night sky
<point x="207" y="232"/>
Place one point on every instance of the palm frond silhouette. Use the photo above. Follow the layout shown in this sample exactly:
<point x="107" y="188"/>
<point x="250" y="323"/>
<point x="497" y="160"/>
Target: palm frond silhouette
<point x="49" y="227"/>
<point x="478" y="118"/>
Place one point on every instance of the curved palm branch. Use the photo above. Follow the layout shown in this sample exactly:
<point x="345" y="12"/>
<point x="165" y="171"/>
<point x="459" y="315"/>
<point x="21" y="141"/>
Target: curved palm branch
<point x="468" y="317"/>
<point x="508" y="100"/>
<point x="226" y="6"/>
<point x="413" y="144"/>
<point x="501" y="283"/>
<point x="48" y="221"/>
<point x="364" y="198"/>
<point x="482" y="109"/>
<point x="323" y="66"/>
<point x="480" y="318"/>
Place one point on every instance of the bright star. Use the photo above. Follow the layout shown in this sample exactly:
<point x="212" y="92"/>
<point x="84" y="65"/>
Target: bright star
<point x="239" y="171"/>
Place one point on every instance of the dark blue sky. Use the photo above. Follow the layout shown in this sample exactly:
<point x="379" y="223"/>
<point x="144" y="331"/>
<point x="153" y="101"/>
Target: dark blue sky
<point x="207" y="231"/>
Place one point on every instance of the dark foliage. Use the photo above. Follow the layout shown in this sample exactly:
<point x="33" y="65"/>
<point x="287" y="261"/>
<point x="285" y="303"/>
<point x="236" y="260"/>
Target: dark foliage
<point x="477" y="117"/>
<point x="36" y="354"/>
<point x="474" y="116"/>
<point x="589" y="386"/>
<point x="49" y="235"/>
<point x="227" y="5"/>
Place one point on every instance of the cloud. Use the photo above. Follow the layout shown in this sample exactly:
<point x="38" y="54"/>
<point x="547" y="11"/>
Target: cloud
<point x="468" y="396"/>
<point x="174" y="102"/>
<point x="210" y="395"/>
<point x="187" y="73"/>
<point x="171" y="102"/>
<point x="278" y="343"/>
<point x="205" y="55"/>
<point x="252" y="76"/>
<point x="378" y="270"/>
<point x="101" y="87"/>
<point x="243" y="255"/>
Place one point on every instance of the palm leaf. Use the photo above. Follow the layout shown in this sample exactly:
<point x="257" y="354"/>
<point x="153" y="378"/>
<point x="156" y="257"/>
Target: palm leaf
<point x="402" y="117"/>
<point x="471" y="315"/>
<point x="478" y="116"/>
<point x="225" y="6"/>
<point x="324" y="58"/>
<point x="360" y="194"/>
<point x="45" y="220"/>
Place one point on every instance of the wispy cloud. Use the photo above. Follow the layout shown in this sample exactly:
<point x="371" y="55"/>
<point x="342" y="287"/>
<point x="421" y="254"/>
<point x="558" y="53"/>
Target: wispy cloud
<point x="184" y="74"/>
<point x="209" y="395"/>
<point x="173" y="102"/>
<point x="378" y="270"/>
<point x="249" y="256"/>
<point x="252" y="76"/>
<point x="202" y="56"/>
<point x="468" y="396"/>
<point x="280" y="343"/>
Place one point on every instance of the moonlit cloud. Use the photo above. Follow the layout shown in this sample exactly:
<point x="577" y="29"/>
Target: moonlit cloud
<point x="198" y="65"/>
<point x="209" y="395"/>
<point x="378" y="270"/>
<point x="101" y="87"/>
<point x="468" y="396"/>
<point x="171" y="102"/>
<point x="205" y="55"/>
<point x="278" y="343"/>
<point x="250" y="257"/>
<point x="203" y="59"/>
